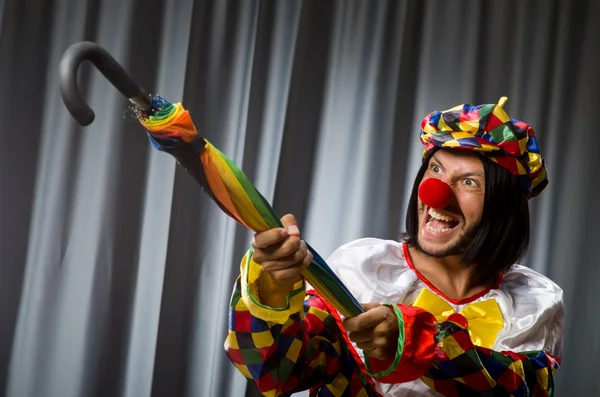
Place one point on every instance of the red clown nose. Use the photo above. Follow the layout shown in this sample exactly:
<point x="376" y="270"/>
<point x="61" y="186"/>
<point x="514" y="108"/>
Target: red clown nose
<point x="435" y="193"/>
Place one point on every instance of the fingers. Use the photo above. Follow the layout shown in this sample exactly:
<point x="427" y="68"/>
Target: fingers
<point x="281" y="251"/>
<point x="291" y="225"/>
<point x="289" y="275"/>
<point x="363" y="336"/>
<point x="375" y="331"/>
<point x="380" y="353"/>
<point x="268" y="238"/>
<point x="368" y="319"/>
<point x="373" y="336"/>
<point x="290" y="253"/>
<point x="380" y="342"/>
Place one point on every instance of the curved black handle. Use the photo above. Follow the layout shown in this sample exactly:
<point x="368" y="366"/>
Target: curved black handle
<point x="105" y="63"/>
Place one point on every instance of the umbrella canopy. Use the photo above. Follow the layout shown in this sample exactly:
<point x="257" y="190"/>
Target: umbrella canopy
<point x="171" y="129"/>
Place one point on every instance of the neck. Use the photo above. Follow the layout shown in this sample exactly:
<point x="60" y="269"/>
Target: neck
<point x="447" y="274"/>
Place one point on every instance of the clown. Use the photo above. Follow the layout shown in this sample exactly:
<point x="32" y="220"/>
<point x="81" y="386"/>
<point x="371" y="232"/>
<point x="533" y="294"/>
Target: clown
<point x="448" y="312"/>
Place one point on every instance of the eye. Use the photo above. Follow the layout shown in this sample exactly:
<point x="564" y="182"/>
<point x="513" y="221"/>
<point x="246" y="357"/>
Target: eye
<point x="436" y="169"/>
<point x="470" y="182"/>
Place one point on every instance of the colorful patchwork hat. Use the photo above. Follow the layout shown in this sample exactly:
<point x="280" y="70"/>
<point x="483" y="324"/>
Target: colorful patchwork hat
<point x="487" y="129"/>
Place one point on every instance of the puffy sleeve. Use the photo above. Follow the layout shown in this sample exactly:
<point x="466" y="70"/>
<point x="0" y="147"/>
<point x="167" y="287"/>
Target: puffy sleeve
<point x="532" y="307"/>
<point x="287" y="349"/>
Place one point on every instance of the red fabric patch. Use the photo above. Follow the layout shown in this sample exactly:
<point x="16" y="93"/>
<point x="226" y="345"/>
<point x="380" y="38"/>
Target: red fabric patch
<point x="446" y="387"/>
<point x="290" y="383"/>
<point x="265" y="352"/>
<point x="509" y="380"/>
<point x="293" y="329"/>
<point x="355" y="385"/>
<point x="243" y="322"/>
<point x="492" y="122"/>
<point x="511" y="147"/>
<point x="425" y="121"/>
<point x="552" y="359"/>
<point x="313" y="324"/>
<point x="509" y="163"/>
<point x="463" y="339"/>
<point x="313" y="301"/>
<point x="472" y="115"/>
<point x="458" y="319"/>
<point x="481" y="141"/>
<point x="524" y="126"/>
<point x="332" y="365"/>
<point x="515" y="356"/>
<point x="477" y="381"/>
<point x="266" y="383"/>
<point x="236" y="356"/>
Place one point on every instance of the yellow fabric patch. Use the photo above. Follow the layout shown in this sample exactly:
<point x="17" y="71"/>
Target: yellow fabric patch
<point x="263" y="339"/>
<point x="231" y="341"/>
<point x="244" y="370"/>
<point x="294" y="350"/>
<point x="339" y="384"/>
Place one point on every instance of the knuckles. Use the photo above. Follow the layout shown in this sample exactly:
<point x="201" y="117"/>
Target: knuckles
<point x="291" y="246"/>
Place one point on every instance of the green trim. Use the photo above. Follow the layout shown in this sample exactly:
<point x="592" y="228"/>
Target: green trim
<point x="399" y="349"/>
<point x="258" y="303"/>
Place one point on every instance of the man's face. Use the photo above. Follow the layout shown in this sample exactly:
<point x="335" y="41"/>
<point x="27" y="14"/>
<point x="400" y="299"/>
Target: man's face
<point x="449" y="231"/>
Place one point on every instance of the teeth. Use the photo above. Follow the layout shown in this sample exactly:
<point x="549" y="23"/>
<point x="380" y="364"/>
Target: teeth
<point x="437" y="215"/>
<point x="434" y="230"/>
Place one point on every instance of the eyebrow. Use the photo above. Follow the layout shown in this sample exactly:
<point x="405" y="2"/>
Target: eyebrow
<point x="466" y="174"/>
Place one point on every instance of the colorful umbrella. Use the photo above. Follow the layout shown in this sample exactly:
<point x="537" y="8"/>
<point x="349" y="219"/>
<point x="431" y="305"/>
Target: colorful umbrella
<point x="170" y="129"/>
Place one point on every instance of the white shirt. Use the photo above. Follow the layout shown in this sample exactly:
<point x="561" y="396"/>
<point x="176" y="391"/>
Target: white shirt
<point x="376" y="270"/>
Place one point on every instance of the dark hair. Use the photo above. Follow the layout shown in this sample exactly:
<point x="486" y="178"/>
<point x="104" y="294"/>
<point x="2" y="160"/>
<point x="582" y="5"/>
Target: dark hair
<point x="502" y="238"/>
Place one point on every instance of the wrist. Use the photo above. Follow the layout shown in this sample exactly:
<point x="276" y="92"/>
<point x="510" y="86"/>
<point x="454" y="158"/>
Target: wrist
<point x="273" y="293"/>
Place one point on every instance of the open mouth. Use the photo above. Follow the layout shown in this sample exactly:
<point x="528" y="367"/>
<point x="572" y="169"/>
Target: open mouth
<point x="439" y="223"/>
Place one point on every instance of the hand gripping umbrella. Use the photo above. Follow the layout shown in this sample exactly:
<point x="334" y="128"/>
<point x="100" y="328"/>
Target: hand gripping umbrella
<point x="171" y="129"/>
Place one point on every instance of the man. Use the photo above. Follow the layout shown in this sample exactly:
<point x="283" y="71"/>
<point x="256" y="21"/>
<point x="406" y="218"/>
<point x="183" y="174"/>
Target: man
<point x="447" y="311"/>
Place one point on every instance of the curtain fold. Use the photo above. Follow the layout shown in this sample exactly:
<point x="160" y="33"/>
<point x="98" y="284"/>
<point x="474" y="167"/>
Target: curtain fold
<point x="116" y="269"/>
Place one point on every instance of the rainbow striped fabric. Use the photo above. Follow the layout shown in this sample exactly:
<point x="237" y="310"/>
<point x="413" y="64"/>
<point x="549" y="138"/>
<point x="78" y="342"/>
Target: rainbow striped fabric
<point x="172" y="130"/>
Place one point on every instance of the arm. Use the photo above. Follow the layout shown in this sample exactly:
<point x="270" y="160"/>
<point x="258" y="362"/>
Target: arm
<point x="461" y="368"/>
<point x="464" y="368"/>
<point x="286" y="349"/>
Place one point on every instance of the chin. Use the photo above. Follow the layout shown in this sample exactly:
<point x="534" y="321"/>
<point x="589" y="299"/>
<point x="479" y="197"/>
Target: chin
<point x="443" y="246"/>
<point x="437" y="250"/>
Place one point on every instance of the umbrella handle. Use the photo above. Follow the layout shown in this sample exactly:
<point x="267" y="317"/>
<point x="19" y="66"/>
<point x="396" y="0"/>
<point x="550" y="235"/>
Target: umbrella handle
<point x="106" y="64"/>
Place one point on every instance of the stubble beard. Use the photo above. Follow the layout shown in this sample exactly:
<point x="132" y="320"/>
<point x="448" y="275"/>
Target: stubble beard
<point x="457" y="247"/>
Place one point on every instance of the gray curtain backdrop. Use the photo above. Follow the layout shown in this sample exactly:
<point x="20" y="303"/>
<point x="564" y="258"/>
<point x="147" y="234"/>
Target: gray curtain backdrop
<point x="115" y="268"/>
